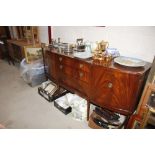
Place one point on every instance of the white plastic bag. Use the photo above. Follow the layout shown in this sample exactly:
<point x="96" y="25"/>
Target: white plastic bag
<point x="28" y="71"/>
<point x="78" y="104"/>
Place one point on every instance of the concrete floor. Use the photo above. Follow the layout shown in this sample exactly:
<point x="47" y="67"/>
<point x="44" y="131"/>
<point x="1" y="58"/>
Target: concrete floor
<point x="22" y="108"/>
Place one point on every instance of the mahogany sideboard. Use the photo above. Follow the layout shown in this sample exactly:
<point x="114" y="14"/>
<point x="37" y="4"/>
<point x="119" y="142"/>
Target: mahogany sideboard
<point x="111" y="86"/>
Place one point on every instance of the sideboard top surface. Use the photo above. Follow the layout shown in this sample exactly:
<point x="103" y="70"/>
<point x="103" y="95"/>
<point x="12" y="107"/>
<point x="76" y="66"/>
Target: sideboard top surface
<point x="112" y="65"/>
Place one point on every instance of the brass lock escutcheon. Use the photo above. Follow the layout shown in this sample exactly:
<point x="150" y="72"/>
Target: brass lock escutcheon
<point x="81" y="65"/>
<point x="60" y="66"/>
<point x="110" y="85"/>
<point x="60" y="58"/>
<point x="81" y="74"/>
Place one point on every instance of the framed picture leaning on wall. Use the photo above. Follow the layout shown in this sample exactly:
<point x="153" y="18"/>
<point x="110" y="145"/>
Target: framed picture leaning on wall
<point x="32" y="53"/>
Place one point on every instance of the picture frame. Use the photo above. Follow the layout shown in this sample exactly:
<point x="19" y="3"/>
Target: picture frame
<point x="32" y="53"/>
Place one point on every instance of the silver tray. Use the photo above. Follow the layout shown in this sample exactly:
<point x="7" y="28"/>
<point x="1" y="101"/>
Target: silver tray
<point x="130" y="62"/>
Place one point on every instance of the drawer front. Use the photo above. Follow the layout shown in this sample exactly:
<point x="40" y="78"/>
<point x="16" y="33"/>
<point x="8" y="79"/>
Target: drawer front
<point x="66" y="61"/>
<point x="83" y="76"/>
<point x="83" y="66"/>
<point x="79" y="75"/>
<point x="68" y="71"/>
<point x="77" y="64"/>
<point x="113" y="90"/>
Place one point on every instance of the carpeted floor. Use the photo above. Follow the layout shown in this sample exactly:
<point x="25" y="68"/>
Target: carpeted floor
<point x="22" y="108"/>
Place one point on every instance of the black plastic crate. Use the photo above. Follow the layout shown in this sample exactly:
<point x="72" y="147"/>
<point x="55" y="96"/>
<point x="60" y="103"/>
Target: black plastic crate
<point x="65" y="111"/>
<point x="58" y="93"/>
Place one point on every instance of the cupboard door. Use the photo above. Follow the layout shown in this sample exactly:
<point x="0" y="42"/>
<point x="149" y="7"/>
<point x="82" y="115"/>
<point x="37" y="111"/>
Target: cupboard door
<point x="115" y="90"/>
<point x="66" y="77"/>
<point x="72" y="74"/>
<point x="83" y="81"/>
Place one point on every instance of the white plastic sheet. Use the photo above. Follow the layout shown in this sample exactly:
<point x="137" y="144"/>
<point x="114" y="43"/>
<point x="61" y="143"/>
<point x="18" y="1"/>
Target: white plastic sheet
<point x="28" y="71"/>
<point x="78" y="104"/>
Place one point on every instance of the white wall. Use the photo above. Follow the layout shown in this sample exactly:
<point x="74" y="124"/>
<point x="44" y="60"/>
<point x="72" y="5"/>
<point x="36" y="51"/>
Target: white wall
<point x="133" y="41"/>
<point x="43" y="34"/>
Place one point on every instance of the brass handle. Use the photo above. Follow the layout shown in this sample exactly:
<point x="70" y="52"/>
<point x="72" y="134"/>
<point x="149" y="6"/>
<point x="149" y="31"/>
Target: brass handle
<point x="60" y="66"/>
<point x="60" y="58"/>
<point x="110" y="85"/>
<point x="81" y="74"/>
<point x="81" y="65"/>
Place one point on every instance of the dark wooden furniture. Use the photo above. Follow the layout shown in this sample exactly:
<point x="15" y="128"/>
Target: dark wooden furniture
<point x="4" y="36"/>
<point x="16" y="49"/>
<point x="111" y="86"/>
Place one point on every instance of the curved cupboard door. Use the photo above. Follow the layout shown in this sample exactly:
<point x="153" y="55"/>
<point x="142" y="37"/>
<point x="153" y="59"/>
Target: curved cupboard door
<point x="115" y="90"/>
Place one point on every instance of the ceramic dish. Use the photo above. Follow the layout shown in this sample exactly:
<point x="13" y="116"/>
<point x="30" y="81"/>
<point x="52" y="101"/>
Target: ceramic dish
<point x="130" y="62"/>
<point x="83" y="55"/>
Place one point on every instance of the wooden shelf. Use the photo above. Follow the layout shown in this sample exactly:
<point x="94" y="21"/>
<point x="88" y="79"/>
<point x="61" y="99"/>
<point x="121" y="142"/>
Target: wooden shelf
<point x="28" y="33"/>
<point x="146" y="107"/>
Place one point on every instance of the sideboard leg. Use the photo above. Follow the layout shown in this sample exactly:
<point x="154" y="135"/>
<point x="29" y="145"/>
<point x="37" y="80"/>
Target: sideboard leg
<point x="88" y="109"/>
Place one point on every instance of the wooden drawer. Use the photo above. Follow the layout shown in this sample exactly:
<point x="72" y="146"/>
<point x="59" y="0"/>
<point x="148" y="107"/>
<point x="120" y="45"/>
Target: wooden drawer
<point x="72" y="72"/>
<point x="77" y="64"/>
<point x="83" y="76"/>
<point x="83" y="66"/>
<point x="69" y="71"/>
<point x="66" y="61"/>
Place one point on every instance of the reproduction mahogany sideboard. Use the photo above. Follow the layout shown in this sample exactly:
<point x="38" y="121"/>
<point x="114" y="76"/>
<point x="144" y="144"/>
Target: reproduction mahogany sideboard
<point x="110" y="86"/>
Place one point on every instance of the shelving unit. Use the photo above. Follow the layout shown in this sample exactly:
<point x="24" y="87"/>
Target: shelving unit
<point x="145" y="113"/>
<point x="31" y="34"/>
<point x="150" y="115"/>
<point x="26" y="36"/>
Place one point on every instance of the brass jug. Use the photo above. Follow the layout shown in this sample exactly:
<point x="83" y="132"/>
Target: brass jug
<point x="100" y="52"/>
<point x="101" y="46"/>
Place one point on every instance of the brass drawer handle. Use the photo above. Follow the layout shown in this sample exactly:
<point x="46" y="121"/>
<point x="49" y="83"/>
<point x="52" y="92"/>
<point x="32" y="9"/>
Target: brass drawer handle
<point x="60" y="58"/>
<point x="81" y="65"/>
<point x="110" y="85"/>
<point x="81" y="74"/>
<point x="60" y="66"/>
